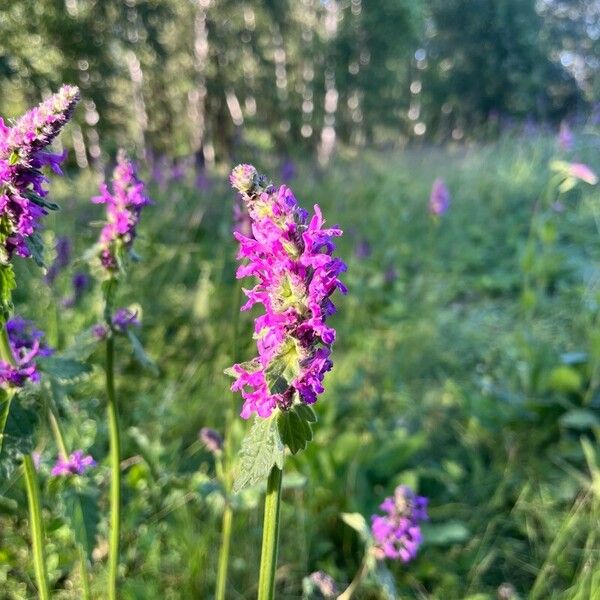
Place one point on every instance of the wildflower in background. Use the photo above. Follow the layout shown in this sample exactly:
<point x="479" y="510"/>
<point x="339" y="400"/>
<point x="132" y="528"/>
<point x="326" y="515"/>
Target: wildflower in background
<point x="397" y="534"/>
<point x="63" y="257"/>
<point x="100" y="331"/>
<point x="583" y="173"/>
<point x="362" y="250"/>
<point x="288" y="170"/>
<point x="203" y="182"/>
<point x="439" y="200"/>
<point x="123" y="207"/>
<point x="75" y="464"/>
<point x="211" y="439"/>
<point x="26" y="343"/>
<point x="565" y="137"/>
<point x="80" y="282"/>
<point x="324" y="583"/>
<point x="22" y="156"/>
<point x="291" y="257"/>
<point x="242" y="223"/>
<point x="571" y="173"/>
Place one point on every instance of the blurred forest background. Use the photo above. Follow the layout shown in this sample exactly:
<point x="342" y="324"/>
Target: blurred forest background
<point x="207" y="77"/>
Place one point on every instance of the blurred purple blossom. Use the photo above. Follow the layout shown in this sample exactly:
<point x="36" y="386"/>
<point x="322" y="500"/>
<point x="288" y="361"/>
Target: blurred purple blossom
<point x="565" y="137"/>
<point x="439" y="200"/>
<point x="211" y="439"/>
<point x="397" y="533"/>
<point x="75" y="464"/>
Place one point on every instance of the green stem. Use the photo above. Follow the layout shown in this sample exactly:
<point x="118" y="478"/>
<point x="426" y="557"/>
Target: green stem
<point x="36" y="526"/>
<point x="358" y="579"/>
<point x="31" y="482"/>
<point x="270" y="541"/>
<point x="225" y="467"/>
<point x="115" y="467"/>
<point x="62" y="448"/>
<point x="84" y="573"/>
<point x="6" y="355"/>
<point x="224" y="552"/>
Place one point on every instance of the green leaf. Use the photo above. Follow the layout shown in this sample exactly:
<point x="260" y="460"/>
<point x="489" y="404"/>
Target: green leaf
<point x="7" y="285"/>
<point x="306" y="412"/>
<point x="140" y="354"/>
<point x="359" y="524"/>
<point x="294" y="429"/>
<point x="17" y="438"/>
<point x="565" y="379"/>
<point x="385" y="580"/>
<point x="63" y="369"/>
<point x="83" y="345"/>
<point x="82" y="512"/>
<point x="580" y="418"/>
<point x="36" y="248"/>
<point x="444" y="534"/>
<point x="250" y="365"/>
<point x="36" y="199"/>
<point x="261" y="450"/>
<point x="284" y="367"/>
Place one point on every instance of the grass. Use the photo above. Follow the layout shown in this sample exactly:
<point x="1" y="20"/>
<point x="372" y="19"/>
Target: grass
<point x="443" y="380"/>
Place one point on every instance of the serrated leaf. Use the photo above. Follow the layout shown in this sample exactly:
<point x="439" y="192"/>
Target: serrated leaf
<point x="295" y="431"/>
<point x="35" y="245"/>
<point x="63" y="369"/>
<point x="83" y="345"/>
<point x="82" y="512"/>
<point x="306" y="412"/>
<point x="359" y="524"/>
<point x="140" y="354"/>
<point x="17" y="437"/>
<point x="250" y="365"/>
<point x="283" y="368"/>
<point x="36" y="199"/>
<point x="262" y="449"/>
<point x="7" y="285"/>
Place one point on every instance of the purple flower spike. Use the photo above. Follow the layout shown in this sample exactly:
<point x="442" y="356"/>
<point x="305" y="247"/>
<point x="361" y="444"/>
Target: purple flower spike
<point x="26" y="343"/>
<point x="63" y="257"/>
<point x="76" y="464"/>
<point x="211" y="440"/>
<point x="22" y="156"/>
<point x="398" y="533"/>
<point x="291" y="257"/>
<point x="439" y="200"/>
<point x="123" y="207"/>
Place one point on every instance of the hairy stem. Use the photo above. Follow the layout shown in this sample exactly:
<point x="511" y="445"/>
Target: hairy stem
<point x="270" y="541"/>
<point x="36" y="526"/>
<point x="115" y="467"/>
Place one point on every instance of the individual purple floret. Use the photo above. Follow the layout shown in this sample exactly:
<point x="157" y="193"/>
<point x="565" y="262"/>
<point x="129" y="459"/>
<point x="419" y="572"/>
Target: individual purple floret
<point x="211" y="439"/>
<point x="26" y="343"/>
<point x="100" y="331"/>
<point x="324" y="583"/>
<point x="22" y="156"/>
<point x="123" y="207"/>
<point x="63" y="257"/>
<point x="398" y="533"/>
<point x="291" y="257"/>
<point x="123" y="319"/>
<point x="76" y="464"/>
<point x="439" y="200"/>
